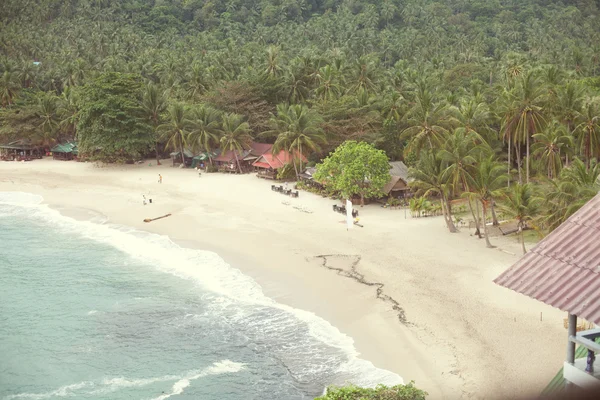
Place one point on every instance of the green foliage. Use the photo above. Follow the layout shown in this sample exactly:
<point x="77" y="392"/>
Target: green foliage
<point x="287" y="172"/>
<point x="381" y="392"/>
<point x="355" y="169"/>
<point x="111" y="126"/>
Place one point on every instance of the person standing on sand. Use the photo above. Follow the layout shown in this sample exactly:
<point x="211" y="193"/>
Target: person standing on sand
<point x="159" y="178"/>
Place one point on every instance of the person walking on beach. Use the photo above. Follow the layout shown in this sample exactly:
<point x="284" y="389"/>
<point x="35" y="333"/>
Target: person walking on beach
<point x="159" y="178"/>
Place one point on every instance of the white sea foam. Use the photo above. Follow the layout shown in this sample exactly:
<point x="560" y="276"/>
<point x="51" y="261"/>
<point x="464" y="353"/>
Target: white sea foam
<point x="63" y="391"/>
<point x="233" y="289"/>
<point x="218" y="368"/>
<point x="109" y="385"/>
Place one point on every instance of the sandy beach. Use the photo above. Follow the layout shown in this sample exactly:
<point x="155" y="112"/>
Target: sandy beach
<point x="416" y="299"/>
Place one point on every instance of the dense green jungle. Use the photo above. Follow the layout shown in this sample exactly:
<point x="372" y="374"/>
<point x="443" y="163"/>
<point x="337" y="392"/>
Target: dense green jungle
<point x="483" y="99"/>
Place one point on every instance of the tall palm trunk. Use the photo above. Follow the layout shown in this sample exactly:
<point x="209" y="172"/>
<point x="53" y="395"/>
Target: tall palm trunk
<point x="182" y="155"/>
<point x="518" y="148"/>
<point x="527" y="151"/>
<point x="494" y="217"/>
<point x="451" y="225"/>
<point x="475" y="219"/>
<point x="156" y="150"/>
<point x="522" y="236"/>
<point x="237" y="161"/>
<point x="485" y="228"/>
<point x="509" y="148"/>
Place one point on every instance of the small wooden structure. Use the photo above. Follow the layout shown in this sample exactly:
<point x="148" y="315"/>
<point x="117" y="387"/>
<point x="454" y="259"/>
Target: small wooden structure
<point x="20" y="150"/>
<point x="187" y="156"/>
<point x="227" y="160"/>
<point x="267" y="164"/>
<point x="563" y="271"/>
<point x="397" y="187"/>
<point x="65" y="152"/>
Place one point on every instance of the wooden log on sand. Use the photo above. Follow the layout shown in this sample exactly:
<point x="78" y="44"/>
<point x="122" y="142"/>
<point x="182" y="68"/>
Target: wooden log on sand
<point x="154" y="219"/>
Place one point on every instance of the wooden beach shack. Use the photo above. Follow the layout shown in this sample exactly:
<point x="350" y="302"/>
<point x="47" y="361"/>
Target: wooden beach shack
<point x="66" y="151"/>
<point x="397" y="187"/>
<point x="187" y="156"/>
<point x="20" y="150"/>
<point x="563" y="271"/>
<point x="226" y="161"/>
<point x="203" y="159"/>
<point x="268" y="164"/>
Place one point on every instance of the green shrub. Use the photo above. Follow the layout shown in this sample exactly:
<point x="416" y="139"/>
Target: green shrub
<point x="381" y="392"/>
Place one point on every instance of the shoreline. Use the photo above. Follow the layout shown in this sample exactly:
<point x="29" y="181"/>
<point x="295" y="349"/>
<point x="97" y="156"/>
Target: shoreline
<point x="462" y="337"/>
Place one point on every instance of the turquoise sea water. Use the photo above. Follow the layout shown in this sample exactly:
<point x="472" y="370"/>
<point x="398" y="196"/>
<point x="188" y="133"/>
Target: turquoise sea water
<point x="90" y="310"/>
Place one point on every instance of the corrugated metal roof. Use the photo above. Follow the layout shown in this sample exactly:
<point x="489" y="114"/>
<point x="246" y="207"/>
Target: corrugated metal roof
<point x="563" y="270"/>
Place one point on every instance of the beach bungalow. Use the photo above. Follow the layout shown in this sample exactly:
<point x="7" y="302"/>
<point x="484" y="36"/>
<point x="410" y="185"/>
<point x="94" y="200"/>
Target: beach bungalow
<point x="398" y="185"/>
<point x="187" y="156"/>
<point x="268" y="164"/>
<point x="563" y="271"/>
<point x="203" y="159"/>
<point x="20" y="150"/>
<point x="226" y="161"/>
<point x="65" y="152"/>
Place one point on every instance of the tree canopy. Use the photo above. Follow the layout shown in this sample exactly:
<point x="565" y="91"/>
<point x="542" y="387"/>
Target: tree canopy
<point x="355" y="169"/>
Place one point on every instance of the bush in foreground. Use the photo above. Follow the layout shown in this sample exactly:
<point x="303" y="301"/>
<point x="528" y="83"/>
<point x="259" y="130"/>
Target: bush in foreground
<point x="381" y="392"/>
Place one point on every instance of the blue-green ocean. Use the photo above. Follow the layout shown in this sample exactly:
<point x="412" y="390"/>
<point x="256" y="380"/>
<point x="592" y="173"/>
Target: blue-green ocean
<point x="91" y="310"/>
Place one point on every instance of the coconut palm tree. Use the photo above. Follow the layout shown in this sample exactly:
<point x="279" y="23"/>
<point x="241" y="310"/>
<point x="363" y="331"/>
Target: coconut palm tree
<point x="550" y="145"/>
<point x="425" y="122"/>
<point x="328" y="83"/>
<point x="521" y="204"/>
<point x="235" y="135"/>
<point x="297" y="129"/>
<point x="176" y="129"/>
<point x="524" y="116"/>
<point x="576" y="185"/>
<point x="461" y="153"/>
<point x="47" y="110"/>
<point x="154" y="103"/>
<point x="486" y="183"/>
<point x="204" y="133"/>
<point x="588" y="130"/>
<point x="9" y="87"/>
<point x="430" y="179"/>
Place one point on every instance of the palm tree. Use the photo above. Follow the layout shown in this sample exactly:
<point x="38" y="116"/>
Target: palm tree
<point x="272" y="68"/>
<point x="297" y="128"/>
<point x="550" y="146"/>
<point x="524" y="116"/>
<point x="521" y="204"/>
<point x="9" y="87"/>
<point x="425" y="120"/>
<point x="205" y="130"/>
<point x="176" y="130"/>
<point x="461" y="152"/>
<point x="577" y="184"/>
<point x="68" y="112"/>
<point x="47" y="110"/>
<point x="486" y="183"/>
<point x="588" y="131"/>
<point x="235" y="135"/>
<point x="430" y="178"/>
<point x="195" y="85"/>
<point x="328" y="87"/>
<point x="154" y="103"/>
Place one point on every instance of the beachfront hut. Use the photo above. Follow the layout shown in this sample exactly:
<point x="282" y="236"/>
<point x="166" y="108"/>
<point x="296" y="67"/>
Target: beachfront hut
<point x="187" y="156"/>
<point x="20" y="150"/>
<point x="226" y="161"/>
<point x="65" y="152"/>
<point x="398" y="185"/>
<point x="268" y="164"/>
<point x="202" y="159"/>
<point x="563" y="271"/>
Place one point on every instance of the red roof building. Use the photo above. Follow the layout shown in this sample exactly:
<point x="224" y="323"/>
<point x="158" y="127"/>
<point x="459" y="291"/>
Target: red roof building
<point x="275" y="161"/>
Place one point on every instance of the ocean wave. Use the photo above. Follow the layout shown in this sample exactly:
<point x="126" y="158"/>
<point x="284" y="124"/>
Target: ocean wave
<point x="230" y="293"/>
<point x="109" y="385"/>
<point x="218" y="368"/>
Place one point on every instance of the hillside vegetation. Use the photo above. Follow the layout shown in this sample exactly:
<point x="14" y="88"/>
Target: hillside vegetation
<point x="473" y="94"/>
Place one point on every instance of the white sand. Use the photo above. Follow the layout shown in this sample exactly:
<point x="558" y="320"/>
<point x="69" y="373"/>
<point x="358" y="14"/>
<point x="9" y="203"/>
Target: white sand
<point x="463" y="336"/>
